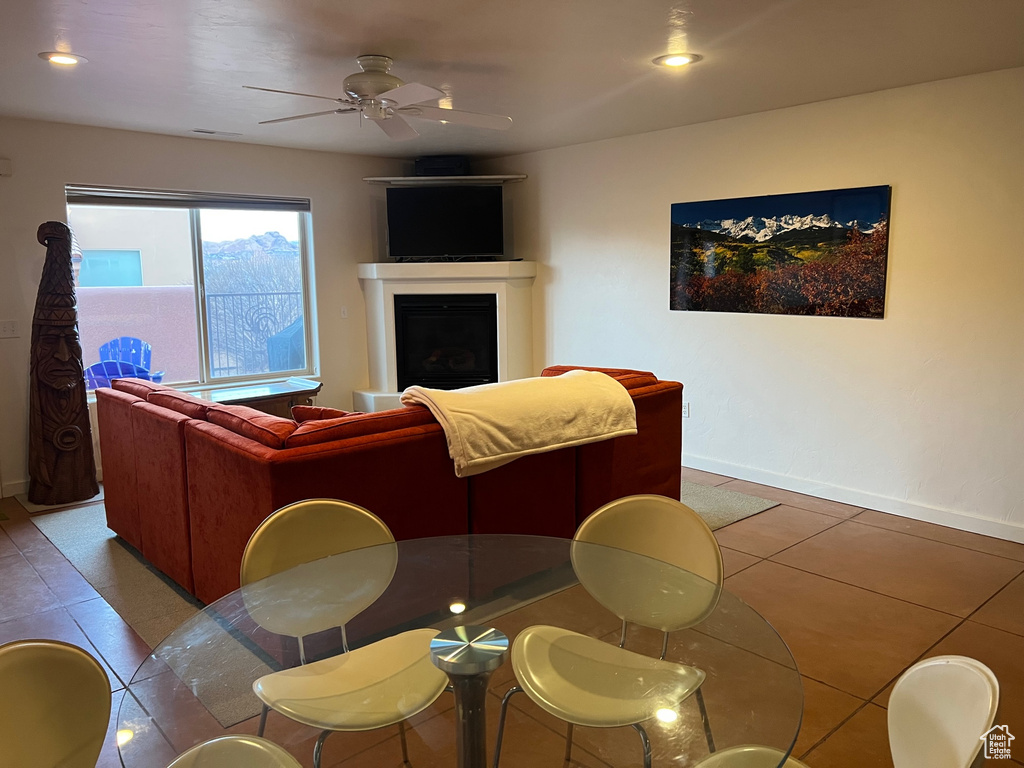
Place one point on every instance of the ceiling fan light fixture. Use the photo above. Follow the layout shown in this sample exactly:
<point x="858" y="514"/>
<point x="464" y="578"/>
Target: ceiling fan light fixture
<point x="63" y="58"/>
<point x="375" y="110"/>
<point x="676" y="60"/>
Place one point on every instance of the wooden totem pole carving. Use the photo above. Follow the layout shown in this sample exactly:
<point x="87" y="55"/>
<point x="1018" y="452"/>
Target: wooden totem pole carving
<point x="61" y="464"/>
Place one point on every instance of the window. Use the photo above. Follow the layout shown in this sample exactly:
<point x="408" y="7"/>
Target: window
<point x="217" y="286"/>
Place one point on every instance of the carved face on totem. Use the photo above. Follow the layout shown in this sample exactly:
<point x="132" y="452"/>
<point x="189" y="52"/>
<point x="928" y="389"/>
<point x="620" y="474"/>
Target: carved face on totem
<point x="59" y="356"/>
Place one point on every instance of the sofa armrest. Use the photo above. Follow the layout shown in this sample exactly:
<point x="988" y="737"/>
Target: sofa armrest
<point x="117" y="452"/>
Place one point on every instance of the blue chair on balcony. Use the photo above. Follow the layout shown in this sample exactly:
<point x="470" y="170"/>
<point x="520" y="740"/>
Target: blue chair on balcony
<point x="96" y="376"/>
<point x="136" y="352"/>
<point x="99" y="374"/>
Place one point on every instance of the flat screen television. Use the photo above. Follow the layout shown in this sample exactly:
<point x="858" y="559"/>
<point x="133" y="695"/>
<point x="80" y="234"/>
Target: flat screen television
<point x="464" y="222"/>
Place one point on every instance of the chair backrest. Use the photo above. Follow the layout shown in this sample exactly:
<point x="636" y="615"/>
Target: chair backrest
<point x="58" y="709"/>
<point x="939" y="710"/>
<point x="121" y="369"/>
<point x="643" y="589"/>
<point x="236" y="751"/>
<point x="128" y="349"/>
<point x="96" y="376"/>
<point x="304" y="534"/>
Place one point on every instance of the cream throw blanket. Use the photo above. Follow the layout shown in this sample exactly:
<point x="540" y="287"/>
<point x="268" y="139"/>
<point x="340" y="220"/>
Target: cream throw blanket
<point x="493" y="424"/>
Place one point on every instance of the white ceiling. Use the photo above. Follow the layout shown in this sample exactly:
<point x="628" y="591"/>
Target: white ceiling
<point x="566" y="71"/>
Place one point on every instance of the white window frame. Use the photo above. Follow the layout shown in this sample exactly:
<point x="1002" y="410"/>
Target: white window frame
<point x="78" y="194"/>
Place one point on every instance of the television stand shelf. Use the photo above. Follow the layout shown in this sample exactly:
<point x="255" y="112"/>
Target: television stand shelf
<point x="413" y="181"/>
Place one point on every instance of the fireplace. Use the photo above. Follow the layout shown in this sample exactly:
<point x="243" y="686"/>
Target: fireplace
<point x="446" y="340"/>
<point x="506" y="345"/>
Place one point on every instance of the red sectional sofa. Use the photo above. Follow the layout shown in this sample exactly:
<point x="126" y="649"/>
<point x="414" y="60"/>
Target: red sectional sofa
<point x="186" y="481"/>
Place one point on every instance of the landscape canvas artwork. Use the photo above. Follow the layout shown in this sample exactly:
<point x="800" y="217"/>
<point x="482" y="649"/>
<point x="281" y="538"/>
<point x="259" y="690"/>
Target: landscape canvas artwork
<point x="808" y="253"/>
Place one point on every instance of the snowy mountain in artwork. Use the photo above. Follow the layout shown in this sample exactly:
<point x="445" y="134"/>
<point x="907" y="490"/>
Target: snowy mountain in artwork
<point x="760" y="229"/>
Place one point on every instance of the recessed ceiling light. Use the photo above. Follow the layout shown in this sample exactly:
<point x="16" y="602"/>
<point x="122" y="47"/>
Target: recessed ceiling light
<point x="677" y="59"/>
<point x="63" y="58"/>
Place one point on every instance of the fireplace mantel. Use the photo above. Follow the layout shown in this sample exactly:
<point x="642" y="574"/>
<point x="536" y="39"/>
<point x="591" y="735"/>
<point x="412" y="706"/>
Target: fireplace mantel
<point x="510" y="281"/>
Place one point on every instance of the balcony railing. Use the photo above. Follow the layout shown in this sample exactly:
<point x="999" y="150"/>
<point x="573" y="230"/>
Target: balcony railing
<point x="254" y="333"/>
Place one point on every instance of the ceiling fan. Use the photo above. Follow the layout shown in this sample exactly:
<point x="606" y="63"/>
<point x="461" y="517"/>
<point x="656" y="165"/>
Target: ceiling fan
<point x="379" y="96"/>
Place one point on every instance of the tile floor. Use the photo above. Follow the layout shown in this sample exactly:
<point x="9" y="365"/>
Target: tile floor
<point x="858" y="595"/>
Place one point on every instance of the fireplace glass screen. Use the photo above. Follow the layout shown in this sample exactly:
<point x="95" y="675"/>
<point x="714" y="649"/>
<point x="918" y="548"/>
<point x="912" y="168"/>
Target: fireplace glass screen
<point x="446" y="341"/>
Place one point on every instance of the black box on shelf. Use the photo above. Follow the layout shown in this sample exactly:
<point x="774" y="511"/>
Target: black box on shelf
<point x="442" y="165"/>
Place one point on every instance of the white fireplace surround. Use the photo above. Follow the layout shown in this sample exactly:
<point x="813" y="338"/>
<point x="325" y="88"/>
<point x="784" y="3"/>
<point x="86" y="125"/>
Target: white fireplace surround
<point x="510" y="281"/>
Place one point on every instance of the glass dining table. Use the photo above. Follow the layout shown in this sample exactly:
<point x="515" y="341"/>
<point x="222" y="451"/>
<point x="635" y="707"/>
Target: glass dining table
<point x="198" y="683"/>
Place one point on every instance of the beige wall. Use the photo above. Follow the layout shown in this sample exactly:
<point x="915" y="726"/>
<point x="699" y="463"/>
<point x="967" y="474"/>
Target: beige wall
<point x="46" y="156"/>
<point x="918" y="414"/>
<point x="163" y="239"/>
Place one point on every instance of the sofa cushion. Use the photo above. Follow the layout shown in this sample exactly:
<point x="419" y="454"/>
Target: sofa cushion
<point x="303" y="413"/>
<point x="138" y="387"/>
<point x="180" y="402"/>
<point x="358" y="425"/>
<point x="627" y="377"/>
<point x="271" y="431"/>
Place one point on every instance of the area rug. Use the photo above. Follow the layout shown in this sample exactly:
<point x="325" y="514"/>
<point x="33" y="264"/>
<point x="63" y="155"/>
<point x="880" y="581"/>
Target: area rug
<point x="35" y="509"/>
<point x="147" y="600"/>
<point x="720" y="507"/>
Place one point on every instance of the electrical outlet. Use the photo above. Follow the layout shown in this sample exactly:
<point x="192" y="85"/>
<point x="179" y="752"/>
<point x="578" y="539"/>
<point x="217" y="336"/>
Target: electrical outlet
<point x="686" y="410"/>
<point x="344" y="313"/>
<point x="9" y="329"/>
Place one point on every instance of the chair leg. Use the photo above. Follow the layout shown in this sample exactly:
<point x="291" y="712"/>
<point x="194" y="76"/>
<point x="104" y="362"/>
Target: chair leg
<point x="646" y="742"/>
<point x="501" y="722"/>
<point x="568" y="742"/>
<point x="405" y="746"/>
<point x="263" y="720"/>
<point x="704" y="721"/>
<point x="318" y="748"/>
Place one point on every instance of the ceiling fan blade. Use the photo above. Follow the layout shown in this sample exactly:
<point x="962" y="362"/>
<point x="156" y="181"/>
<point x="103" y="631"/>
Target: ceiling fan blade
<point x="296" y="93"/>
<point x="460" y="117"/>
<point x="397" y="128"/>
<point x="310" y="114"/>
<point x="411" y="93"/>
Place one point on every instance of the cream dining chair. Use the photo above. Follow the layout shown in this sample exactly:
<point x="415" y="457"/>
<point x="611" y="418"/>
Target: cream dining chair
<point x="55" y="707"/>
<point x="939" y="710"/>
<point x="378" y="685"/>
<point x="588" y="682"/>
<point x="235" y="751"/>
<point x="750" y="756"/>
